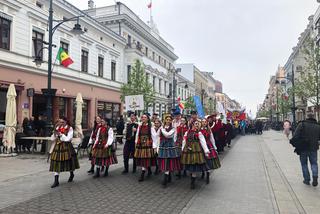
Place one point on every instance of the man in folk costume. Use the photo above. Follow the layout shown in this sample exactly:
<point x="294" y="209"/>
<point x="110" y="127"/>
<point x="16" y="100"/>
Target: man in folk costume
<point x="180" y="131"/>
<point x="194" y="117"/>
<point x="128" y="149"/>
<point x="169" y="153"/>
<point x="145" y="144"/>
<point x="63" y="156"/>
<point x="102" y="151"/>
<point x="212" y="159"/>
<point x="194" y="150"/>
<point x="96" y="126"/>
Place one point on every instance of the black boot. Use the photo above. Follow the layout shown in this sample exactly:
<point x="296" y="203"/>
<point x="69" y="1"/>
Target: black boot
<point x="169" y="177"/>
<point x="91" y="171"/>
<point x="165" y="180"/>
<point x="149" y="172"/>
<point x="56" y="181"/>
<point x="142" y="176"/>
<point x="106" y="172"/>
<point x="178" y="175"/>
<point x="97" y="175"/>
<point x="126" y="166"/>
<point x="71" y="176"/>
<point x="315" y="181"/>
<point x="202" y="175"/>
<point x="134" y="166"/>
<point x="208" y="178"/>
<point x="193" y="180"/>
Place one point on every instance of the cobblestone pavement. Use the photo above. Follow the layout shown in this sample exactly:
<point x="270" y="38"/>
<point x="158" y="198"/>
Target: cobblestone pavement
<point x="114" y="194"/>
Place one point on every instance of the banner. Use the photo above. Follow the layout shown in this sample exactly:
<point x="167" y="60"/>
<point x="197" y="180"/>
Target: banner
<point x="199" y="107"/>
<point x="134" y="102"/>
<point x="220" y="110"/>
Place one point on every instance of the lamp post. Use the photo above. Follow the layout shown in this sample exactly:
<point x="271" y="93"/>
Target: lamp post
<point x="50" y="92"/>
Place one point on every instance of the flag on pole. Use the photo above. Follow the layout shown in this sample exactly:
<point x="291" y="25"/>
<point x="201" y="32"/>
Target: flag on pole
<point x="150" y="5"/>
<point x="64" y="58"/>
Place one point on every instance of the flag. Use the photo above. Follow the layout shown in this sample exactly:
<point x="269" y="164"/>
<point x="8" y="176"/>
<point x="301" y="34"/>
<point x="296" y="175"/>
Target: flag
<point x="150" y="5"/>
<point x="64" y="58"/>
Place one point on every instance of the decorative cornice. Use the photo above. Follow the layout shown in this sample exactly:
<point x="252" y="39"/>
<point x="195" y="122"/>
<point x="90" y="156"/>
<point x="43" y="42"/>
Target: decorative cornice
<point x="11" y="5"/>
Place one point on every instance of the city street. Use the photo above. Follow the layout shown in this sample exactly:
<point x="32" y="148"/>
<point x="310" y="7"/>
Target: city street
<point x="259" y="174"/>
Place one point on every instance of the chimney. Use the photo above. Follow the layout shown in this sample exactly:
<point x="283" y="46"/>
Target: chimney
<point x="90" y="4"/>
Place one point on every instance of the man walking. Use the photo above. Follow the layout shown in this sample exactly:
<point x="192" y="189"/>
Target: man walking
<point x="305" y="139"/>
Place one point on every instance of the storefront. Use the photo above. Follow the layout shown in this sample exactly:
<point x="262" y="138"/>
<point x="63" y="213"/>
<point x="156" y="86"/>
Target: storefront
<point x="109" y="110"/>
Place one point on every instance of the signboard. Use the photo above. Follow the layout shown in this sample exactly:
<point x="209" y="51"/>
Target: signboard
<point x="134" y="102"/>
<point x="199" y="107"/>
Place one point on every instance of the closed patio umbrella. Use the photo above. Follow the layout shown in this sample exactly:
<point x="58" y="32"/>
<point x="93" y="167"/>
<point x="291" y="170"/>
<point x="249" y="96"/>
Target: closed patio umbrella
<point x="79" y="102"/>
<point x="11" y="119"/>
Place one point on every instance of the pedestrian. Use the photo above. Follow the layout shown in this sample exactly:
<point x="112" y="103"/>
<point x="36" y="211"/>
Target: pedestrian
<point x="194" y="117"/>
<point x="168" y="152"/>
<point x="218" y="131"/>
<point x="286" y="128"/>
<point x="128" y="149"/>
<point x="144" y="147"/>
<point x="156" y="133"/>
<point x="103" y="152"/>
<point x="212" y="160"/>
<point x="28" y="131"/>
<point x="63" y="156"/>
<point x="194" y="150"/>
<point x="96" y="126"/>
<point x="181" y="130"/>
<point x="120" y="128"/>
<point x="306" y="142"/>
<point x="229" y="133"/>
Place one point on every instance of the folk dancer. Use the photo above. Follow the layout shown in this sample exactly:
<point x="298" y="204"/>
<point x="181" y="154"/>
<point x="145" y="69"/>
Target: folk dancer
<point x="180" y="131"/>
<point x="96" y="126"/>
<point x="144" y="147"/>
<point x="212" y="159"/>
<point x="63" y="156"/>
<point x="102" y="150"/>
<point x="194" y="150"/>
<point x="128" y="149"/>
<point x="169" y="154"/>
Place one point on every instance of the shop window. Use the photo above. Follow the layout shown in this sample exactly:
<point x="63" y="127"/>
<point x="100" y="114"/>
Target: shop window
<point x="111" y="111"/>
<point x="62" y="106"/>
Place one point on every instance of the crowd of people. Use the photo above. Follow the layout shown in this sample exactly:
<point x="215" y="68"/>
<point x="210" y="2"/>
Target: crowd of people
<point x="174" y="145"/>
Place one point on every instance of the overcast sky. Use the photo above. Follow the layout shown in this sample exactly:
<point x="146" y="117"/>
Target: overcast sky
<point x="241" y="42"/>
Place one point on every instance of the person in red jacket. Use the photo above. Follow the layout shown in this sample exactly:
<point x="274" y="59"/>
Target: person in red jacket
<point x="218" y="131"/>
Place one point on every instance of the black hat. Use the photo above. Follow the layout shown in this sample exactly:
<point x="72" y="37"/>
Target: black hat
<point x="194" y="112"/>
<point x="131" y="113"/>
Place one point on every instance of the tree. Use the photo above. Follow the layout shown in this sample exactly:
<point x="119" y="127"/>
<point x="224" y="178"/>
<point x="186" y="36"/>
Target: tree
<point x="307" y="87"/>
<point x="138" y="84"/>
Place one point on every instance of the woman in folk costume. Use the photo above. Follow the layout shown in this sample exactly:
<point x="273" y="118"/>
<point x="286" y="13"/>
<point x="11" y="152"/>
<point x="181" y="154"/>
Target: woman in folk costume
<point x="144" y="147"/>
<point x="181" y="130"/>
<point x="102" y="151"/>
<point x="212" y="159"/>
<point x="168" y="152"/>
<point x="96" y="126"/>
<point x="194" y="150"/>
<point x="63" y="156"/>
<point x="156" y="133"/>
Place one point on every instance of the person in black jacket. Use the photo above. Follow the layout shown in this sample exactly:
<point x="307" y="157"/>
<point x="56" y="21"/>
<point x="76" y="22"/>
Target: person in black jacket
<point x="120" y="128"/>
<point x="306" y="140"/>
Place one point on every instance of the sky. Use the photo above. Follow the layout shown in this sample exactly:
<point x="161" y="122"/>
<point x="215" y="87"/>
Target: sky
<point x="241" y="42"/>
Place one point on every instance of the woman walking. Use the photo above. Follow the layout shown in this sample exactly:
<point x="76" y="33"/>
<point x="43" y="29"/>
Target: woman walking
<point x="144" y="147"/>
<point x="96" y="126"/>
<point x="63" y="156"/>
<point x="212" y="160"/>
<point x="181" y="130"/>
<point x="286" y="128"/>
<point x="102" y="150"/>
<point x="169" y="153"/>
<point x="194" y="150"/>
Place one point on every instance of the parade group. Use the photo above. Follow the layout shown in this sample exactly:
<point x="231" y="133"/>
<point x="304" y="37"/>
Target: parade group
<point x="174" y="146"/>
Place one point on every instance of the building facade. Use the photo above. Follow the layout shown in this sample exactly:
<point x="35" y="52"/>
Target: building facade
<point x="97" y="72"/>
<point x="144" y="43"/>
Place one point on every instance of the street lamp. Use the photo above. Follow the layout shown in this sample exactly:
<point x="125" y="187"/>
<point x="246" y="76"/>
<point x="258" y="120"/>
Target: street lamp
<point x="49" y="92"/>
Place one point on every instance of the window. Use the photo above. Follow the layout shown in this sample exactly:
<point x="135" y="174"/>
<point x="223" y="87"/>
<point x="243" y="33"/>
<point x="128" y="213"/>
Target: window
<point x="165" y="88"/>
<point x="62" y="106"/>
<point x="148" y="77"/>
<point x="37" y="39"/>
<point x="154" y="83"/>
<point x="160" y="82"/>
<point x="147" y="51"/>
<point x="4" y="33"/>
<point x="165" y="63"/>
<point x="113" y="71"/>
<point x="153" y="55"/>
<point x="129" y="72"/>
<point x="110" y="111"/>
<point x="129" y="40"/>
<point x="170" y="89"/>
<point x="84" y="60"/>
<point x="65" y="46"/>
<point x="159" y="59"/>
<point x="100" y="66"/>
